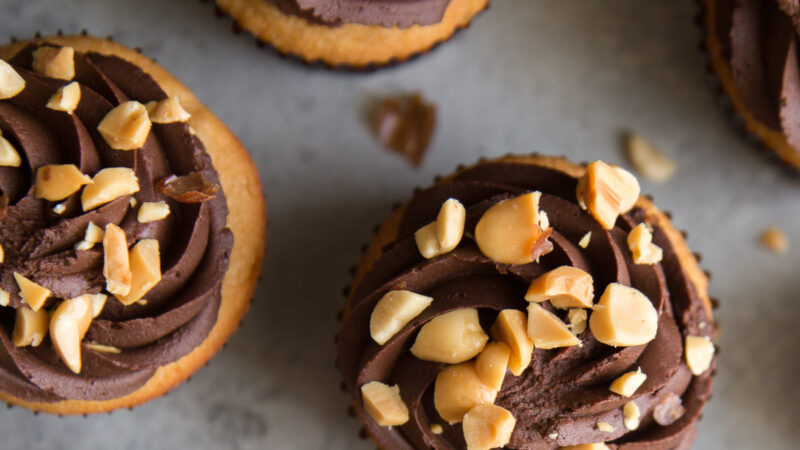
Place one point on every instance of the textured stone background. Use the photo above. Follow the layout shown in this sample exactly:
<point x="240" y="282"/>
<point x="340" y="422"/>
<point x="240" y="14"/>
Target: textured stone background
<point x="563" y="77"/>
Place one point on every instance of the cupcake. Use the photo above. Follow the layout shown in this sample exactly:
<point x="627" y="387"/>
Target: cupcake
<point x="528" y="302"/>
<point x="132" y="227"/>
<point x="351" y="33"/>
<point x="753" y="49"/>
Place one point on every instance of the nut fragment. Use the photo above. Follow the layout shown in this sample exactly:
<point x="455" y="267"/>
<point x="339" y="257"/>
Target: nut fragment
<point x="510" y="232"/>
<point x="83" y="245"/>
<point x="192" y="188"/>
<point x="584" y="242"/>
<point x="125" y="127"/>
<point x="384" y="404"/>
<point x="511" y="328"/>
<point x="457" y="390"/>
<point x="59" y="208"/>
<point x="547" y="330"/>
<point x="607" y="191"/>
<point x="145" y="266"/>
<point x="491" y="364"/>
<point x="623" y="317"/>
<point x="443" y="235"/>
<point x="593" y="446"/>
<point x="2" y="254"/>
<point x="668" y="410"/>
<point x="627" y="384"/>
<point x="166" y="111"/>
<point x="5" y="297"/>
<point x="605" y="427"/>
<point x="66" y="98"/>
<point x="488" y="426"/>
<point x="437" y="429"/>
<point x="107" y="185"/>
<point x="93" y="234"/>
<point x="98" y="302"/>
<point x="565" y="287"/>
<point x="57" y="182"/>
<point x="451" y="337"/>
<point x="9" y="157"/>
<point x="699" y="353"/>
<point x="648" y="160"/>
<point x="577" y="320"/>
<point x="152" y="211"/>
<point x="774" y="239"/>
<point x="68" y="326"/>
<point x="393" y="311"/>
<point x="30" y="327"/>
<point x="640" y="243"/>
<point x="11" y="83"/>
<point x="102" y="348"/>
<point x="631" y="415"/>
<point x="116" y="263"/>
<point x="31" y="293"/>
<point x="55" y="62"/>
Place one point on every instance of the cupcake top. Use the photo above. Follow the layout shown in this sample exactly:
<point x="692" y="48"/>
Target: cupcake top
<point x="386" y="13"/>
<point x="534" y="300"/>
<point x="114" y="237"/>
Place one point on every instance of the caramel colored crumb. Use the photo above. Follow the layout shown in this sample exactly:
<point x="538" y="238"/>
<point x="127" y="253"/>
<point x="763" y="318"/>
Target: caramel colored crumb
<point x="405" y="124"/>
<point x="774" y="239"/>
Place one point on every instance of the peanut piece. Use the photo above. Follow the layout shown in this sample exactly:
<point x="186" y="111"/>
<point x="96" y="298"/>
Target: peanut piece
<point x="55" y="62"/>
<point x="2" y="254"/>
<point x="443" y="235"/>
<point x="593" y="446"/>
<point x="457" y="390"/>
<point x="668" y="410"/>
<point x="774" y="239"/>
<point x="168" y="110"/>
<point x="491" y="364"/>
<point x="83" y="245"/>
<point x="116" y="263"/>
<point x="605" y="427"/>
<point x="627" y="384"/>
<point x="5" y="297"/>
<point x="98" y="302"/>
<point x="488" y="426"/>
<point x="126" y="127"/>
<point x="384" y="404"/>
<point x="30" y="327"/>
<point x="607" y="191"/>
<point x="102" y="348"/>
<point x="648" y="160"/>
<point x="145" y="266"/>
<point x="450" y="338"/>
<point x="631" y="416"/>
<point x="623" y="317"/>
<point x="152" y="211"/>
<point x="57" y="182"/>
<point x="93" y="234"/>
<point x="59" y="208"/>
<point x="547" y="330"/>
<point x="107" y="185"/>
<point x="68" y="326"/>
<point x="9" y="157"/>
<point x="393" y="311"/>
<point x="577" y="320"/>
<point x="510" y="327"/>
<point x="584" y="242"/>
<point x="11" y="83"/>
<point x="510" y="232"/>
<point x="31" y="293"/>
<point x="565" y="287"/>
<point x="640" y="243"/>
<point x="66" y="98"/>
<point x="437" y="429"/>
<point x="699" y="353"/>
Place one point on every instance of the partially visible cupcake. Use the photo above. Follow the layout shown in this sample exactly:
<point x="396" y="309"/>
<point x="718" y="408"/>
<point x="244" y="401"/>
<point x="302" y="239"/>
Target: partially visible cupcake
<point x="132" y="227"/>
<point x="528" y="302"/>
<point x="352" y="33"/>
<point x="753" y="49"/>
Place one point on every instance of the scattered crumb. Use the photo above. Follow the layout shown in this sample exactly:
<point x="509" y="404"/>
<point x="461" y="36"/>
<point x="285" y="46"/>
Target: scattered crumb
<point x="646" y="159"/>
<point x="774" y="239"/>
<point x="584" y="242"/>
<point x="405" y="124"/>
<point x="553" y="436"/>
<point x="605" y="427"/>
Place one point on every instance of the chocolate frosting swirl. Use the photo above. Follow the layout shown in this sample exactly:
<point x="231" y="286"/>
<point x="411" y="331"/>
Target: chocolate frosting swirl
<point x="386" y="13"/>
<point x="759" y="41"/>
<point x="562" y="395"/>
<point x="195" y="244"/>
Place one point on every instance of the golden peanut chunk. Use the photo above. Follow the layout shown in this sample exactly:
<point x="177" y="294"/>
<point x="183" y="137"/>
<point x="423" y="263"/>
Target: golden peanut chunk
<point x="133" y="202"/>
<point x="548" y="331"/>
<point x="30" y="327"/>
<point x="631" y="416"/>
<point x="443" y="235"/>
<point x="93" y="233"/>
<point x="152" y="211"/>
<point x="437" y="429"/>
<point x="55" y="62"/>
<point x="393" y="311"/>
<point x="83" y="245"/>
<point x="145" y="266"/>
<point x="5" y="297"/>
<point x="699" y="353"/>
<point x="11" y="83"/>
<point x="577" y="320"/>
<point x="623" y="317"/>
<point x="627" y="384"/>
<point x="648" y="160"/>
<point x="31" y="293"/>
<point x="59" y="181"/>
<point x="605" y="427"/>
<point x="451" y="338"/>
<point x="640" y="243"/>
<point x="68" y="326"/>
<point x="168" y="110"/>
<point x="593" y="446"/>
<point x="510" y="233"/>
<point x="98" y="302"/>
<point x="2" y="254"/>
<point x="66" y="98"/>
<point x="668" y="409"/>
<point x="584" y="242"/>
<point x="427" y="241"/>
<point x="116" y="262"/>
<point x="510" y="327"/>
<point x="107" y="185"/>
<point x="565" y="287"/>
<point x="384" y="404"/>
<point x="774" y="239"/>
<point x="488" y="426"/>
<point x="126" y="127"/>
<point x="457" y="390"/>
<point x="491" y="364"/>
<point x="9" y="157"/>
<point x="607" y="191"/>
<point x="102" y="348"/>
<point x="59" y="208"/>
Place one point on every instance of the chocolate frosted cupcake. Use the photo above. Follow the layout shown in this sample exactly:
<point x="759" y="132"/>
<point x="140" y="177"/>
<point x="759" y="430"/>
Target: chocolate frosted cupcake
<point x="528" y="302"/>
<point x="352" y="33"/>
<point x="753" y="50"/>
<point x="130" y="247"/>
